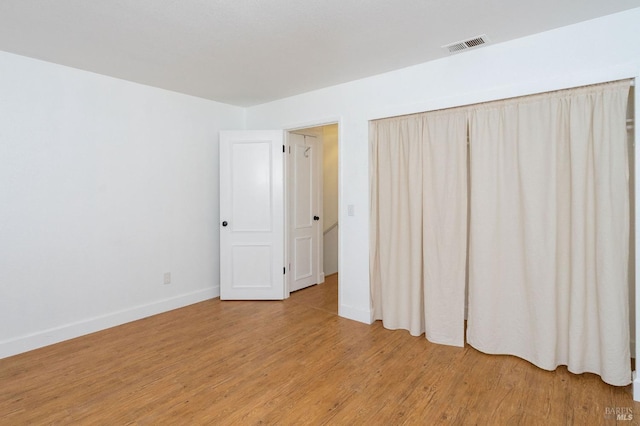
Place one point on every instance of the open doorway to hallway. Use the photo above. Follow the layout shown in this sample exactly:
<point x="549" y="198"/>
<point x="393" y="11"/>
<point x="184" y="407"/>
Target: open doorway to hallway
<point x="323" y="296"/>
<point x="327" y="214"/>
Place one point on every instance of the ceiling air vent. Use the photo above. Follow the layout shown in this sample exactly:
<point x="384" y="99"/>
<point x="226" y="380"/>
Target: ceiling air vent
<point x="459" y="46"/>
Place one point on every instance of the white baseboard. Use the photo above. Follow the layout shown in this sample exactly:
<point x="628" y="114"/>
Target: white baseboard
<point x="69" y="331"/>
<point x="355" y="314"/>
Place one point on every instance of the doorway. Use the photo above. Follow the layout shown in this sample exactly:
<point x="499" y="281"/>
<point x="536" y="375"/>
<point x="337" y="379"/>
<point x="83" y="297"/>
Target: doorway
<point x="312" y="206"/>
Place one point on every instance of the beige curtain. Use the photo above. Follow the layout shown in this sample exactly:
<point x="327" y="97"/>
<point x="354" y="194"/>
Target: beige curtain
<point x="418" y="223"/>
<point x="549" y="230"/>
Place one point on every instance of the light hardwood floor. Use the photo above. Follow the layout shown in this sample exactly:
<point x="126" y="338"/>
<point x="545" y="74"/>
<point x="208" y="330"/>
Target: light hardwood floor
<point x="292" y="362"/>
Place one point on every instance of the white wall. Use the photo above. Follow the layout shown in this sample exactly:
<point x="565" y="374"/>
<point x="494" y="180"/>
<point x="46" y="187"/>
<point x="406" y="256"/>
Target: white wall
<point x="105" y="185"/>
<point x="600" y="50"/>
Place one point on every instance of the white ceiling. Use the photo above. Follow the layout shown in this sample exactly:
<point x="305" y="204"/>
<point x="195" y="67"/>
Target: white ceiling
<point x="247" y="52"/>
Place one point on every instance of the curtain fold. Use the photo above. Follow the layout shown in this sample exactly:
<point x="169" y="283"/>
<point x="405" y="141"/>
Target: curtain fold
<point x="418" y="224"/>
<point x="396" y="266"/>
<point x="549" y="230"/>
<point x="445" y="224"/>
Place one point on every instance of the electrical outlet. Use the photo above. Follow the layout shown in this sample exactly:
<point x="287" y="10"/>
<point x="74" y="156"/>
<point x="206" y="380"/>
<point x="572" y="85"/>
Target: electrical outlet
<point x="167" y="278"/>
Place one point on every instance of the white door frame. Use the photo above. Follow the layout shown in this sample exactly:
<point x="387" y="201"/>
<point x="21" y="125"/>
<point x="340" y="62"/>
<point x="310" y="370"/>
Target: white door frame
<point x="636" y="155"/>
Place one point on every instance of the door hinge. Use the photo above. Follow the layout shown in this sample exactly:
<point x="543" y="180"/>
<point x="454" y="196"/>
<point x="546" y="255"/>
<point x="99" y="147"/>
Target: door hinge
<point x="283" y="148"/>
<point x="284" y="270"/>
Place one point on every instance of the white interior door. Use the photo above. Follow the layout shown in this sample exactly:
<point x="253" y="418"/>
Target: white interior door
<point x="305" y="216"/>
<point x="251" y="215"/>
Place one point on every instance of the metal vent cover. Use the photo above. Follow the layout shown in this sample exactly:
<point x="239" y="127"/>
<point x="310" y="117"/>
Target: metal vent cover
<point x="459" y="46"/>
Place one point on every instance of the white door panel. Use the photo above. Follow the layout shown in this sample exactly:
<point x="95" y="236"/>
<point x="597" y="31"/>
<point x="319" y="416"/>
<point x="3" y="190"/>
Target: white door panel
<point x="251" y="177"/>
<point x="303" y="258"/>
<point x="251" y="215"/>
<point x="260" y="272"/>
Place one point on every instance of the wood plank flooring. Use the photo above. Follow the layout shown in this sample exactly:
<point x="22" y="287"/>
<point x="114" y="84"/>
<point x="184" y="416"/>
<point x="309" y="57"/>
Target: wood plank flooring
<point x="292" y="362"/>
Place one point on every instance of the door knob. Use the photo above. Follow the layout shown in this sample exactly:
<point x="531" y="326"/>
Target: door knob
<point x="224" y="223"/>
<point x="316" y="218"/>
